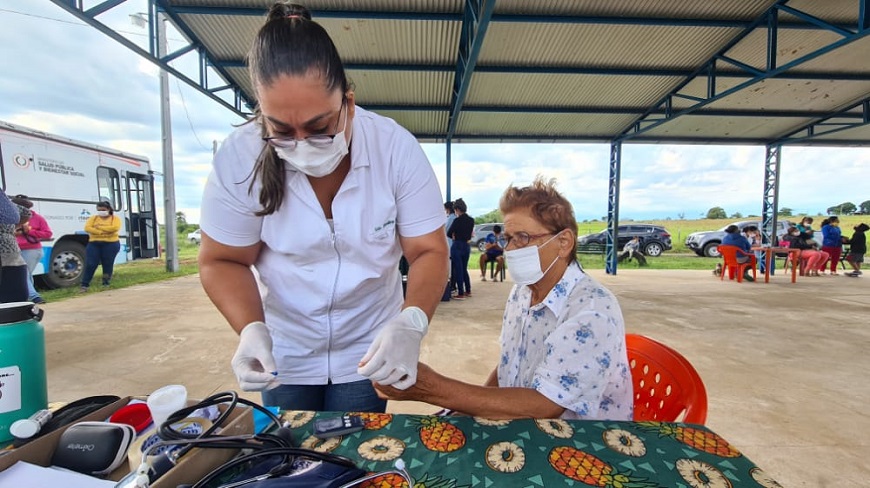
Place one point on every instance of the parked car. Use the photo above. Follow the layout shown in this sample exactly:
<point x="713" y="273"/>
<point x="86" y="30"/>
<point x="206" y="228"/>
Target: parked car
<point x="654" y="239"/>
<point x="706" y="243"/>
<point x="194" y="237"/>
<point x="478" y="236"/>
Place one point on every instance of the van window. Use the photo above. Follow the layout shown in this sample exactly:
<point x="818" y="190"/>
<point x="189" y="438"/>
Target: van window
<point x="109" y="186"/>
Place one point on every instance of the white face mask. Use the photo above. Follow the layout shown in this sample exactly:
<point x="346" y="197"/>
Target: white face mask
<point x="103" y="213"/>
<point x="525" y="263"/>
<point x="316" y="161"/>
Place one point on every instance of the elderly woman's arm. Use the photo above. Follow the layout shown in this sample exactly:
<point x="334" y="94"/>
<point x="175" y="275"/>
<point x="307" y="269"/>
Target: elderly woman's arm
<point x="489" y="402"/>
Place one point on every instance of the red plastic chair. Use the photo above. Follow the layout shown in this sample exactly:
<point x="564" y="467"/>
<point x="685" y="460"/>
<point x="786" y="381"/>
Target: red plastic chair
<point x="667" y="388"/>
<point x="729" y="256"/>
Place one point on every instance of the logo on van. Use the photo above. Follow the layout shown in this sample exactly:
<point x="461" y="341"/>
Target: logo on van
<point x="21" y="161"/>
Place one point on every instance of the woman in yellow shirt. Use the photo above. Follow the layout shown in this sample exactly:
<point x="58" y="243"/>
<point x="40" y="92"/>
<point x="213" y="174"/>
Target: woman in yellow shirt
<point x="103" y="246"/>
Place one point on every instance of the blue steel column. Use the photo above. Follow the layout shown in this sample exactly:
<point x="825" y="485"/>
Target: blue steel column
<point x="770" y="204"/>
<point x="448" y="172"/>
<point x="613" y="208"/>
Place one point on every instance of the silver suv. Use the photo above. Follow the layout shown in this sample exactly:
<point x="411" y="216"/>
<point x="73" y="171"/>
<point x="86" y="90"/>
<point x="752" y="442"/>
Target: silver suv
<point x="706" y="243"/>
<point x="478" y="237"/>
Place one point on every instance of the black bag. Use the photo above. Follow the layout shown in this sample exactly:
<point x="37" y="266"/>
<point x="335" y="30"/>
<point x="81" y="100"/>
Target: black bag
<point x="307" y="468"/>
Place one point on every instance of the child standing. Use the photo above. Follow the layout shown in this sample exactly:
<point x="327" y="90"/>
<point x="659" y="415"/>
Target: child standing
<point x="858" y="249"/>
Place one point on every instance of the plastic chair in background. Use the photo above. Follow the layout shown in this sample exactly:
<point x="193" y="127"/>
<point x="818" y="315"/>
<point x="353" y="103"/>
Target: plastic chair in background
<point x="493" y="264"/>
<point x="729" y="256"/>
<point x="667" y="388"/>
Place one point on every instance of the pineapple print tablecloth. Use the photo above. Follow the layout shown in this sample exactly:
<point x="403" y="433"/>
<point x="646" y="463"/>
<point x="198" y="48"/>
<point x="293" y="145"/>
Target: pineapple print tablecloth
<point x="458" y="452"/>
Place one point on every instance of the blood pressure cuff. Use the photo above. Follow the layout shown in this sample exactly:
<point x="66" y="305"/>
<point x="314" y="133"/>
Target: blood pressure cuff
<point x="93" y="448"/>
<point x="303" y="473"/>
<point x="323" y="475"/>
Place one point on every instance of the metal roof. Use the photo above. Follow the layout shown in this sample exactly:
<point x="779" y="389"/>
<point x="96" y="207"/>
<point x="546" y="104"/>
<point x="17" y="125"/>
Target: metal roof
<point x="681" y="71"/>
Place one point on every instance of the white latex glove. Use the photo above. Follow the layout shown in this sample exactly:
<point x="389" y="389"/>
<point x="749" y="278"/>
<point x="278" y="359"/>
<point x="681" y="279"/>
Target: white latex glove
<point x="253" y="362"/>
<point x="392" y="358"/>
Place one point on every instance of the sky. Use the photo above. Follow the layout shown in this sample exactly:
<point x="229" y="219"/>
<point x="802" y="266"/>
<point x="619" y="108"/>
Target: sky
<point x="64" y="77"/>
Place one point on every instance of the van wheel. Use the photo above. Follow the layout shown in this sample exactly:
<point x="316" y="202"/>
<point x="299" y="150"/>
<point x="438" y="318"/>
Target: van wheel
<point x="481" y="245"/>
<point x="66" y="265"/>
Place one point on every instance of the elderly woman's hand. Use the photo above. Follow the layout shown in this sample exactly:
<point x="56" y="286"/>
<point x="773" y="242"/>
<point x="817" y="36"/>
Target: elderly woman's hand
<point x="427" y="380"/>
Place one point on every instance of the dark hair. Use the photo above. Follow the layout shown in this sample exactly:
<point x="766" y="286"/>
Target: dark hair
<point x="750" y="228"/>
<point x="832" y="219"/>
<point x="807" y="219"/>
<point x="862" y="227"/>
<point x="546" y="205"/>
<point x="731" y="229"/>
<point x="448" y="206"/>
<point x="22" y="200"/>
<point x="289" y="43"/>
<point x="496" y="228"/>
<point x="106" y="205"/>
<point x="459" y="204"/>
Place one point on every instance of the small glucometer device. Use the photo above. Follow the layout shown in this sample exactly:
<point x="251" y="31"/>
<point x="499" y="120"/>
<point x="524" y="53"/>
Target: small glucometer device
<point x="336" y="426"/>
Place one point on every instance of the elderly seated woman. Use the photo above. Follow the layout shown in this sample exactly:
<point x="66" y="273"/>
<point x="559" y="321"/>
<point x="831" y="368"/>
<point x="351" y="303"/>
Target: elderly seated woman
<point x="563" y="351"/>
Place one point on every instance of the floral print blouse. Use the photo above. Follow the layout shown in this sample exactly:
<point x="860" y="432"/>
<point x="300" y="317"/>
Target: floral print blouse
<point x="570" y="348"/>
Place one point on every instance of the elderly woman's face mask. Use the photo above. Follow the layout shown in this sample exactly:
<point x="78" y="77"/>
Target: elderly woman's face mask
<point x="525" y="263"/>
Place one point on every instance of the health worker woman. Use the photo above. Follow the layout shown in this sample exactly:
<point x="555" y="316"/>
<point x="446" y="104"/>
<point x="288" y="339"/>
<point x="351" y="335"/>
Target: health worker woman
<point x="322" y="198"/>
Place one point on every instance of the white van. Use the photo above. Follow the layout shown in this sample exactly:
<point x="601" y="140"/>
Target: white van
<point x="65" y="179"/>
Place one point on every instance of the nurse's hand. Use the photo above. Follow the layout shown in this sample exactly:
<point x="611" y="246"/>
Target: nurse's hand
<point x="392" y="358"/>
<point x="253" y="363"/>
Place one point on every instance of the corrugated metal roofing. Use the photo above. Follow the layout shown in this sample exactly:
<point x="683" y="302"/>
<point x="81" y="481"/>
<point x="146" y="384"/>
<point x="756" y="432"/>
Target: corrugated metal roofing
<point x="584" y="70"/>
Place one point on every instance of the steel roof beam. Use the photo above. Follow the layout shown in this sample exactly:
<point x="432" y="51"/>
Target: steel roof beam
<point x="507" y="18"/>
<point x="75" y="8"/>
<point x="577" y="70"/>
<point x="103" y="7"/>
<point x="475" y="21"/>
<point x="604" y="111"/>
<point x="643" y="124"/>
<point x="828" y="125"/>
<point x="240" y="99"/>
<point x="580" y="139"/>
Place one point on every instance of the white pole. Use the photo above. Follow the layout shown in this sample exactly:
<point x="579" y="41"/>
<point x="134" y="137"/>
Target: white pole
<point x="171" y="251"/>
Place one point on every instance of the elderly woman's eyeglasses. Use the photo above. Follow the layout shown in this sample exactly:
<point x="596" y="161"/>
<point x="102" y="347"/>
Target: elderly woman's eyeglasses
<point x="522" y="239"/>
<point x="315" y="140"/>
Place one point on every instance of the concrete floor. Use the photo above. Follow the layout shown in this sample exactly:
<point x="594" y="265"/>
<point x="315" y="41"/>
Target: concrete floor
<point x="784" y="364"/>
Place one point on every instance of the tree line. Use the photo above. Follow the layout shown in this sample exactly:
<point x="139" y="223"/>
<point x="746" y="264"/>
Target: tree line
<point x="845" y="208"/>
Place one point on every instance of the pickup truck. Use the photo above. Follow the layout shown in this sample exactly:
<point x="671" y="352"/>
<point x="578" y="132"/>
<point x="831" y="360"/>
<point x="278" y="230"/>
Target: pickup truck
<point x="706" y="243"/>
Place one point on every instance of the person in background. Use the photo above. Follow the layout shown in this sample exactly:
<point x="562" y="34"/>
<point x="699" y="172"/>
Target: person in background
<point x="563" y="351"/>
<point x="733" y="237"/>
<point x="460" y="231"/>
<point x="806" y="226"/>
<point x="321" y="198"/>
<point x="812" y="257"/>
<point x="494" y="250"/>
<point x="630" y="250"/>
<point x="13" y="268"/>
<point x="857" y="249"/>
<point x="832" y="241"/>
<point x="754" y="237"/>
<point x="451" y="216"/>
<point x="30" y="236"/>
<point x="103" y="230"/>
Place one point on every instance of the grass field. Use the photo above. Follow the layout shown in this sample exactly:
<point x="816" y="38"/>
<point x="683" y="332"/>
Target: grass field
<point x="135" y="273"/>
<point x="151" y="270"/>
